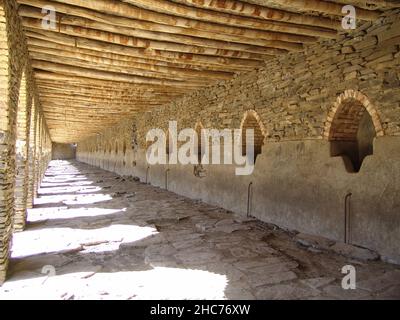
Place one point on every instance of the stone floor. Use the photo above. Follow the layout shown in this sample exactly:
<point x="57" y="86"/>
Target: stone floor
<point x="95" y="235"/>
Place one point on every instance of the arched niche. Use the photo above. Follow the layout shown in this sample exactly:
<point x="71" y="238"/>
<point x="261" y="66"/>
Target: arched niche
<point x="251" y="120"/>
<point x="352" y="125"/>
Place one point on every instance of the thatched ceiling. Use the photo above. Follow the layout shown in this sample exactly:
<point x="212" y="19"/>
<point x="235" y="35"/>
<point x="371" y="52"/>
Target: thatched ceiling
<point x="107" y="59"/>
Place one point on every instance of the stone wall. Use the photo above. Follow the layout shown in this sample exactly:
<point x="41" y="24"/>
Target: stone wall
<point x="298" y="99"/>
<point x="17" y="91"/>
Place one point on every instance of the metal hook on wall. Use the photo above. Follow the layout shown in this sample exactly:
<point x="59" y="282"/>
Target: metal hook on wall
<point x="249" y="196"/>
<point x="147" y="173"/>
<point x="347" y="216"/>
<point x="166" y="178"/>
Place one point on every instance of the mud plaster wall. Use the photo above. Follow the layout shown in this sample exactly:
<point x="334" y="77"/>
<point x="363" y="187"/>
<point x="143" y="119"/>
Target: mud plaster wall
<point x="296" y="184"/>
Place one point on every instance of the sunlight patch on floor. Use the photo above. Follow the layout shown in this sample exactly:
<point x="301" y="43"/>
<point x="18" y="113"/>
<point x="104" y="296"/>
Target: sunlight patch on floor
<point x="63" y="240"/>
<point x="56" y="213"/>
<point x="157" y="283"/>
<point x="72" y="199"/>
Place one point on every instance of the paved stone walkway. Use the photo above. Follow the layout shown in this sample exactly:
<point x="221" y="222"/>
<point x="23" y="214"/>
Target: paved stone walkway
<point x="95" y="235"/>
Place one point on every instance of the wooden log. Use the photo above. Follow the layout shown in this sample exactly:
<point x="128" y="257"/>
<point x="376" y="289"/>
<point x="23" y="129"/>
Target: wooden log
<point x="144" y="43"/>
<point x="64" y="86"/>
<point x="258" y="11"/>
<point x="327" y="8"/>
<point x="30" y="12"/>
<point x="126" y="10"/>
<point x="119" y="70"/>
<point x="99" y="92"/>
<point x="88" y="73"/>
<point x="198" y="13"/>
<point x="44" y="53"/>
<point x="86" y="107"/>
<point x="100" y="100"/>
<point x="128" y="100"/>
<point x="38" y="44"/>
<point x="156" y="27"/>
<point x="39" y="58"/>
<point x="137" y="52"/>
<point x="79" y="79"/>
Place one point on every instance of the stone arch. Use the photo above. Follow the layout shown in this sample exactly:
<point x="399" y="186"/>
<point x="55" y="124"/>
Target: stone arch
<point x="251" y="120"/>
<point x="351" y="127"/>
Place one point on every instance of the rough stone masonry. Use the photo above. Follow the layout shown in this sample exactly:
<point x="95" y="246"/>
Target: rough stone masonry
<point x="21" y="168"/>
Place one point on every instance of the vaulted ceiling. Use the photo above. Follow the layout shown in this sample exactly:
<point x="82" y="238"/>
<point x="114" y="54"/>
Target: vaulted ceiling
<point x="105" y="60"/>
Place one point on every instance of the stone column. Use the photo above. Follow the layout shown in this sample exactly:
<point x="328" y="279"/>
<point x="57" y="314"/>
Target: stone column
<point x="41" y="140"/>
<point x="36" y="156"/>
<point x="8" y="108"/>
<point x="32" y="157"/>
<point x="21" y="177"/>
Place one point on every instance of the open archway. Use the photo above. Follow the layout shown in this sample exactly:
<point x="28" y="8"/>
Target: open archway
<point x="353" y="123"/>
<point x="251" y="120"/>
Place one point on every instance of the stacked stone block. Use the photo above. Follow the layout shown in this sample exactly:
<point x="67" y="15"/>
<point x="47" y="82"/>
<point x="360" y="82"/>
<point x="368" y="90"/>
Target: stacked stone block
<point x="21" y="176"/>
<point x="31" y="157"/>
<point x="295" y="94"/>
<point x="6" y="149"/>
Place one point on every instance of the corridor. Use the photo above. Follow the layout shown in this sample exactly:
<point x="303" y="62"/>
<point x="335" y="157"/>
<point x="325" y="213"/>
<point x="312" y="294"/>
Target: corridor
<point x="95" y="235"/>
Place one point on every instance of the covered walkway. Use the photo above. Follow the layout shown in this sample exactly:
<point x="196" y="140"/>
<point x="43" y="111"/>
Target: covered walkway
<point x="95" y="235"/>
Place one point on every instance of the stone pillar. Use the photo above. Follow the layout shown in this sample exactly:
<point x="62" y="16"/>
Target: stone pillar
<point x="36" y="158"/>
<point x="8" y="108"/>
<point x="40" y="150"/>
<point x="32" y="157"/>
<point x="21" y="177"/>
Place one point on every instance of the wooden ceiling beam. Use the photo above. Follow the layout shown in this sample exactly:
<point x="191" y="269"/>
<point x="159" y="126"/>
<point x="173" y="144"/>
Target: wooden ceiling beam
<point x="74" y="100"/>
<point x="96" y="74"/>
<point x="60" y="106"/>
<point x="140" y="43"/>
<point x="267" y="47"/>
<point x="200" y="81"/>
<point x="204" y="14"/>
<point x="103" y="93"/>
<point x="55" y="86"/>
<point x="263" y="12"/>
<point x="47" y="53"/>
<point x="249" y="28"/>
<point x="255" y="39"/>
<point x="91" y="103"/>
<point x="167" y="56"/>
<point x="327" y="7"/>
<point x="39" y="44"/>
<point x="76" y="79"/>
